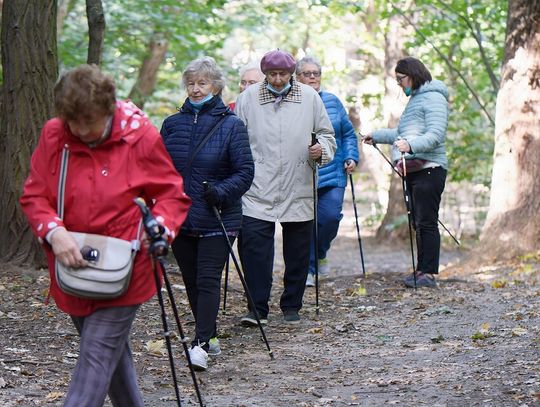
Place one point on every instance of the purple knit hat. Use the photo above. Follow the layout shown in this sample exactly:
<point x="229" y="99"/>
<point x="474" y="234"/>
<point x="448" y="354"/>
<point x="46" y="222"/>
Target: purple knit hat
<point x="278" y="59"/>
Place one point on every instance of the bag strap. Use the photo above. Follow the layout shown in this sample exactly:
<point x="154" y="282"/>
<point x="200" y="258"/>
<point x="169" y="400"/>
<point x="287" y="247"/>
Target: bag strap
<point x="135" y="244"/>
<point x="204" y="141"/>
<point x="62" y="182"/>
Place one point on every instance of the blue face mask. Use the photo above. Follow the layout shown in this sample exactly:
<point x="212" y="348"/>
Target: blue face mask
<point x="279" y="92"/>
<point x="198" y="105"/>
<point x="407" y="91"/>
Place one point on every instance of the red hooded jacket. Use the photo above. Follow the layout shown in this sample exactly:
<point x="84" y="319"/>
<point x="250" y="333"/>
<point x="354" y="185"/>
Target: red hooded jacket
<point x="101" y="184"/>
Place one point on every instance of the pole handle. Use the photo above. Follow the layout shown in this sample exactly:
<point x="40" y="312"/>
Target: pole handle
<point x="313" y="138"/>
<point x="404" y="163"/>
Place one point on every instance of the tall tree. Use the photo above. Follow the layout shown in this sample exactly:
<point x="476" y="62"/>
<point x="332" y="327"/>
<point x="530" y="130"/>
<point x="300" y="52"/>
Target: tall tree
<point x="96" y="31"/>
<point x="29" y="65"/>
<point x="512" y="226"/>
<point x="391" y="227"/>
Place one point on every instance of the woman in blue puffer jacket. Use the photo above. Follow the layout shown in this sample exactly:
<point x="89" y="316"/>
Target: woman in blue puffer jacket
<point x="332" y="176"/>
<point x="420" y="137"/>
<point x="207" y="143"/>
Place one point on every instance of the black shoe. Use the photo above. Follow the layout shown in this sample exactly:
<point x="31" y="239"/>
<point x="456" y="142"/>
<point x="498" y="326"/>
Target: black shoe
<point x="291" y="317"/>
<point x="250" y="320"/>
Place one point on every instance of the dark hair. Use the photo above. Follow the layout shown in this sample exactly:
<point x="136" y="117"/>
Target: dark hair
<point x="415" y="70"/>
<point x="84" y="92"/>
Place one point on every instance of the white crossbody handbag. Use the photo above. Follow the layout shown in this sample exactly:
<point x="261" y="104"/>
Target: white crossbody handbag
<point x="110" y="260"/>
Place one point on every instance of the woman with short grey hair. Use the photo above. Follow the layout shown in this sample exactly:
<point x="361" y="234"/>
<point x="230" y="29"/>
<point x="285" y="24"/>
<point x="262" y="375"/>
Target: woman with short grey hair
<point x="207" y="143"/>
<point x="307" y="60"/>
<point x="332" y="178"/>
<point x="205" y="67"/>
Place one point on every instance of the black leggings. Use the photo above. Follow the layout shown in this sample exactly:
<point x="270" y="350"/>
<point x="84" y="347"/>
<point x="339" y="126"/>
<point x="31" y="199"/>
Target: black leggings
<point x="201" y="261"/>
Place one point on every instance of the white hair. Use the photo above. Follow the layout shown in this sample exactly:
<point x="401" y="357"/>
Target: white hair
<point x="207" y="68"/>
<point x="250" y="66"/>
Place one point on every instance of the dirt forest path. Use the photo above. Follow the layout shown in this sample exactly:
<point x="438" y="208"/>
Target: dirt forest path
<point x="474" y="341"/>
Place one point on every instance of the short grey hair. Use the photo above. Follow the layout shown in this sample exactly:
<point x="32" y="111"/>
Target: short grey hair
<point x="205" y="67"/>
<point x="250" y="66"/>
<point x="307" y="60"/>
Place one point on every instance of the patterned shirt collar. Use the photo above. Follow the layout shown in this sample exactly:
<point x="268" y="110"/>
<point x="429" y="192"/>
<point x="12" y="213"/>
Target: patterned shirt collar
<point x="294" y="95"/>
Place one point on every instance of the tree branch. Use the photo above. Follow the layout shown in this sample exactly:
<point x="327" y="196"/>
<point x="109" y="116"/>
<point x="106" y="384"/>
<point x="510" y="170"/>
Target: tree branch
<point x="477" y="35"/>
<point x="451" y="66"/>
<point x="146" y="81"/>
<point x="96" y="30"/>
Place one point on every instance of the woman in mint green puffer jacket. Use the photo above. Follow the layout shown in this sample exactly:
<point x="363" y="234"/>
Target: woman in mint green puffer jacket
<point x="420" y="138"/>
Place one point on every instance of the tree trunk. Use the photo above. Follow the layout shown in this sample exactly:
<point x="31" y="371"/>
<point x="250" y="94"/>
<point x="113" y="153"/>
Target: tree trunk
<point x="512" y="225"/>
<point x="394" y="224"/>
<point x="146" y="80"/>
<point x="96" y="31"/>
<point x="30" y="67"/>
<point x="64" y="7"/>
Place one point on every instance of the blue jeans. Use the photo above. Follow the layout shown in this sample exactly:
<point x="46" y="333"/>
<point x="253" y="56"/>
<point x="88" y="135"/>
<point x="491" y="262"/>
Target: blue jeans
<point x="329" y="207"/>
<point x="256" y="249"/>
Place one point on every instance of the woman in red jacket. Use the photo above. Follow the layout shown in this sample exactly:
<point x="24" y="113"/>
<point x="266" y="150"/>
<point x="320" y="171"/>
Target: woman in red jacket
<point x="116" y="155"/>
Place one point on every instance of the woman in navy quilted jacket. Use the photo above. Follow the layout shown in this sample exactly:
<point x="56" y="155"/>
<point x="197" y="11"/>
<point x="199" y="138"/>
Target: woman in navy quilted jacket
<point x="332" y="176"/>
<point x="207" y="143"/>
<point x="420" y="136"/>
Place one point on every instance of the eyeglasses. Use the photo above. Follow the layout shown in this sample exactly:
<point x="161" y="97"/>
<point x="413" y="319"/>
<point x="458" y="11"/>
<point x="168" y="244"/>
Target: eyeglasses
<point x="248" y="83"/>
<point x="399" y="78"/>
<point x="308" y="74"/>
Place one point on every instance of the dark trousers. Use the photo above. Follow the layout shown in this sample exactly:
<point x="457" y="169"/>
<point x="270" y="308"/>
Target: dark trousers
<point x="201" y="261"/>
<point x="105" y="363"/>
<point x="426" y="187"/>
<point x="256" y="249"/>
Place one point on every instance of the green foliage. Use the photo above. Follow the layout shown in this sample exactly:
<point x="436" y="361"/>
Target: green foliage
<point x="446" y="35"/>
<point x="462" y="42"/>
<point x="192" y="28"/>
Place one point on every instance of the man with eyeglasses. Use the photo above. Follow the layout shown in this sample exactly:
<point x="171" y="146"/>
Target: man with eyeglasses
<point x="332" y="176"/>
<point x="280" y="115"/>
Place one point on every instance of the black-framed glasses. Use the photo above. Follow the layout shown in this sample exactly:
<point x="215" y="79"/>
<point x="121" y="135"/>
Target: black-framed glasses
<point x="308" y="74"/>
<point x="399" y="78"/>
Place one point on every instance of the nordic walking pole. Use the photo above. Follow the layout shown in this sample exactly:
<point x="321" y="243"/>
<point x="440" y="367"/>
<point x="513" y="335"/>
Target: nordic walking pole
<point x="315" y="228"/>
<point x="158" y="251"/>
<point x="357" y="226"/>
<point x="408" y="205"/>
<point x="183" y="338"/>
<point x="166" y="332"/>
<point x="401" y="176"/>
<point x="242" y="279"/>
<point x="225" y="284"/>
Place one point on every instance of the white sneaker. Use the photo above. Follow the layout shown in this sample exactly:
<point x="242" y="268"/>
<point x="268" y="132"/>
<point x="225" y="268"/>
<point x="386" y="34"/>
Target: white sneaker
<point x="310" y="281"/>
<point x="214" y="348"/>
<point x="199" y="358"/>
<point x="324" y="268"/>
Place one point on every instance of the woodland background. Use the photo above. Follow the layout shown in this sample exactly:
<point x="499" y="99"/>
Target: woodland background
<point x="487" y="53"/>
<point x="474" y="341"/>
